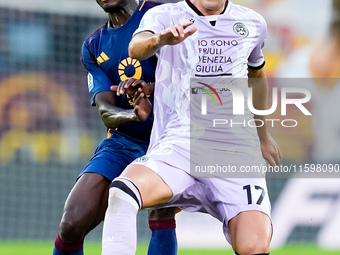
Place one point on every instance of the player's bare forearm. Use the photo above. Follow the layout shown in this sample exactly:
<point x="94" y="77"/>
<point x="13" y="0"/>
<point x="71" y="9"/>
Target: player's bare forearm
<point x="114" y="118"/>
<point x="111" y="115"/>
<point x="258" y="82"/>
<point x="145" y="44"/>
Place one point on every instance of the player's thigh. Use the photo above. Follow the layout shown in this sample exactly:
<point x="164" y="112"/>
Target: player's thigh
<point x="153" y="189"/>
<point x="241" y="200"/>
<point x="250" y="232"/>
<point x="87" y="201"/>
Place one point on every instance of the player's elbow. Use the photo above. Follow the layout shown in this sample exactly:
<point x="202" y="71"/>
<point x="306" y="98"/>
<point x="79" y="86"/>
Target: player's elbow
<point x="108" y="118"/>
<point x="133" y="52"/>
<point x="143" y="45"/>
<point x="137" y="51"/>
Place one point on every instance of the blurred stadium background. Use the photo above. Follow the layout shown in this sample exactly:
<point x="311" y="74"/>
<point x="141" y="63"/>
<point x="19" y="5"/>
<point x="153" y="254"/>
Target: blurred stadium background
<point x="48" y="130"/>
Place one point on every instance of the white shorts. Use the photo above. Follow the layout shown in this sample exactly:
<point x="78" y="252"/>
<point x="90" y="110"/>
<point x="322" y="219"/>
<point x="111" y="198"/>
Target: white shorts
<point x="223" y="198"/>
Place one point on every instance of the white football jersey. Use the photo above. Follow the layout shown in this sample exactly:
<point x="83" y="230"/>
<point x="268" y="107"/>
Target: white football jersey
<point x="214" y="55"/>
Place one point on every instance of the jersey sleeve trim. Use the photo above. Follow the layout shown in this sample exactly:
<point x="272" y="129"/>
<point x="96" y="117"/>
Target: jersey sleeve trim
<point x="256" y="66"/>
<point x="141" y="31"/>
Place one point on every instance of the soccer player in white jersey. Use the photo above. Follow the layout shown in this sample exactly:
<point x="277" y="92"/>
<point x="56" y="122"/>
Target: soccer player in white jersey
<point x="195" y="40"/>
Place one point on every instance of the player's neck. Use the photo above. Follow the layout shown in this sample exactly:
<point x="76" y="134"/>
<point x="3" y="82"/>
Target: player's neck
<point x="206" y="10"/>
<point x="121" y="15"/>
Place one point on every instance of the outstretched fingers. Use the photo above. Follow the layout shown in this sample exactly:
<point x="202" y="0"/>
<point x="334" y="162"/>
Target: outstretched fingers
<point x="190" y="31"/>
<point x="176" y="34"/>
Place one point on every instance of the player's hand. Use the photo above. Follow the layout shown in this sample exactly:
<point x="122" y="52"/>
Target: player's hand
<point x="176" y="34"/>
<point x="142" y="106"/>
<point x="271" y="151"/>
<point x="130" y="87"/>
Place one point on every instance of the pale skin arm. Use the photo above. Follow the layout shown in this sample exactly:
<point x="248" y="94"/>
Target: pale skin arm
<point x="145" y="44"/>
<point x="270" y="149"/>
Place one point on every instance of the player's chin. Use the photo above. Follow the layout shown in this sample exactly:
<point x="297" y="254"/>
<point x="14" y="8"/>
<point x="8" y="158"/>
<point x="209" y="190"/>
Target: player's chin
<point x="111" y="6"/>
<point x="110" y="9"/>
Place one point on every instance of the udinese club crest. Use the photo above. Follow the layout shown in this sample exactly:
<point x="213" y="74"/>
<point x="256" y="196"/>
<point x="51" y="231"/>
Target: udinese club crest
<point x="241" y="30"/>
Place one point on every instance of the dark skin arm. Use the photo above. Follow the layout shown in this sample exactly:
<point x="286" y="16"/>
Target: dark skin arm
<point x="131" y="86"/>
<point x="114" y="116"/>
<point x="111" y="115"/>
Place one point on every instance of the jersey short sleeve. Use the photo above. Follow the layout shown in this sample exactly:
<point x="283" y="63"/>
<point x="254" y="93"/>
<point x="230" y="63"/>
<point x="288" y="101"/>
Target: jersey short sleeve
<point x="154" y="20"/>
<point x="256" y="58"/>
<point x="97" y="79"/>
